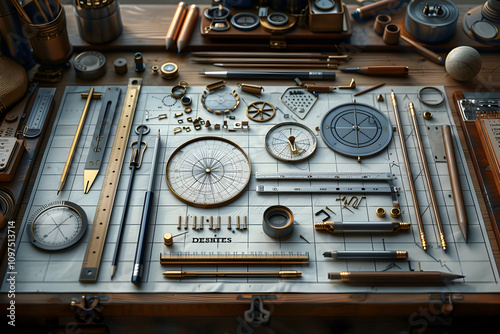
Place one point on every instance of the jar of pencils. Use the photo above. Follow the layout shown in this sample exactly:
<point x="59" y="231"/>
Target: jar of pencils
<point x="44" y="24"/>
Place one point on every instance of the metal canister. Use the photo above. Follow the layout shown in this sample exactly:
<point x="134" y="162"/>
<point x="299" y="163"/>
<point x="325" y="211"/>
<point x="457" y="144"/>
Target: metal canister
<point x="431" y="22"/>
<point x="98" y="24"/>
<point x="49" y="40"/>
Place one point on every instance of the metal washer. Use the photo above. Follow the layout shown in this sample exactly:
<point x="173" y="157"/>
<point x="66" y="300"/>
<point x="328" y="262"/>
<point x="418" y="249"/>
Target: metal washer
<point x="356" y="129"/>
<point x="245" y="21"/>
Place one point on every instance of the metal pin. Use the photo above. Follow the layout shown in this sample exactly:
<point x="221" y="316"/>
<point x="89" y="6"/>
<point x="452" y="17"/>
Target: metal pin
<point x="304" y="238"/>
<point x="238" y="222"/>
<point x="201" y="223"/>
<point x="326" y="207"/>
<point x="245" y="226"/>
<point x="228" y="222"/>
<point x="186" y="222"/>
<point x="218" y="223"/>
<point x="194" y="222"/>
<point x="179" y="223"/>
<point x="211" y="223"/>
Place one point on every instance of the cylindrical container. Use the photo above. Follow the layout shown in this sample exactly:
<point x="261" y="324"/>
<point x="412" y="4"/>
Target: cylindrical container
<point x="98" y="24"/>
<point x="431" y="22"/>
<point x="13" y="42"/>
<point x="391" y="34"/>
<point x="49" y="40"/>
<point x="380" y="22"/>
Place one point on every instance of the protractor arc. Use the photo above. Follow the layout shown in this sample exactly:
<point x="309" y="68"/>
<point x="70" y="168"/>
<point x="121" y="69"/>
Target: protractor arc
<point x="208" y="172"/>
<point x="356" y="129"/>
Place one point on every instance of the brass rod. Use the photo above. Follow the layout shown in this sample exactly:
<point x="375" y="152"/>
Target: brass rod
<point x="21" y="11"/>
<point x="261" y="65"/>
<point x="369" y="89"/>
<point x="261" y="61"/>
<point x="280" y="274"/>
<point x="456" y="187"/>
<point x="41" y="11"/>
<point x="233" y="259"/>
<point x="50" y="10"/>
<point x="268" y="55"/>
<point x="413" y="192"/>
<point x="427" y="175"/>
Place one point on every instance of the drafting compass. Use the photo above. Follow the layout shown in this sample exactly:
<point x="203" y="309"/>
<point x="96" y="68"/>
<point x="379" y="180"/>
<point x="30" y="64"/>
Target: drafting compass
<point x="100" y="137"/>
<point x="290" y="142"/>
<point x="356" y="130"/>
<point x="57" y="226"/>
<point x="208" y="172"/>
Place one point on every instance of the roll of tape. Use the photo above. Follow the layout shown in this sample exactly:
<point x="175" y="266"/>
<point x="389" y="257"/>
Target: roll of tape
<point x="278" y="221"/>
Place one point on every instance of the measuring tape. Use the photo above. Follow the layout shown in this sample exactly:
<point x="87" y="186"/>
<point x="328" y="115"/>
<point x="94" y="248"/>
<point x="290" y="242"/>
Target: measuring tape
<point x="95" y="247"/>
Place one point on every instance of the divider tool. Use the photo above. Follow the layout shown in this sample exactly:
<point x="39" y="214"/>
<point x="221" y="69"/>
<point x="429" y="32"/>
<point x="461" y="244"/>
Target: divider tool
<point x="95" y="247"/>
<point x="100" y="137"/>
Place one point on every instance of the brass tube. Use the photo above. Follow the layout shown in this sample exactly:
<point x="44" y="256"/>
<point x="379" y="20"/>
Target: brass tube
<point x="427" y="175"/>
<point x="456" y="188"/>
<point x="420" y="225"/>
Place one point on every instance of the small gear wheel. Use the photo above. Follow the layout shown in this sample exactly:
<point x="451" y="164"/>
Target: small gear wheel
<point x="260" y="111"/>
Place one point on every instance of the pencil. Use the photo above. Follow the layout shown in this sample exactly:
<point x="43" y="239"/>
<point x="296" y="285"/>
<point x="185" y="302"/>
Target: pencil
<point x="41" y="11"/>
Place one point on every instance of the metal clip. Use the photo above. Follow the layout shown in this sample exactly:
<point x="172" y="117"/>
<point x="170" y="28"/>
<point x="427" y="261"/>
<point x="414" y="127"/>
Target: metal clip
<point x="135" y="154"/>
<point x="216" y="85"/>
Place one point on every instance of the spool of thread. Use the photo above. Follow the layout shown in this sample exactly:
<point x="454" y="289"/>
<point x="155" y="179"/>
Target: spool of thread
<point x="380" y="22"/>
<point x="391" y="34"/>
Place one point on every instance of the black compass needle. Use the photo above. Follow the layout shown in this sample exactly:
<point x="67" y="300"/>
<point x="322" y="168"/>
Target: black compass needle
<point x="57" y="225"/>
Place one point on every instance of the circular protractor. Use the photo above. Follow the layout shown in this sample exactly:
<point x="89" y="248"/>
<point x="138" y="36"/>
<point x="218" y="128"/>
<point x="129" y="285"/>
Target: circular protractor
<point x="208" y="172"/>
<point x="260" y="111"/>
<point x="356" y="129"/>
<point x="57" y="225"/>
<point x="290" y="142"/>
<point x="220" y="102"/>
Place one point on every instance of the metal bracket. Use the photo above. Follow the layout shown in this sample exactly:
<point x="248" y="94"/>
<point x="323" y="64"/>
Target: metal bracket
<point x="88" y="308"/>
<point x="257" y="314"/>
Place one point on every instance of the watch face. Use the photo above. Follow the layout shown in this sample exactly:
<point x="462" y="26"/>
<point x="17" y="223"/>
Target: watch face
<point x="290" y="142"/>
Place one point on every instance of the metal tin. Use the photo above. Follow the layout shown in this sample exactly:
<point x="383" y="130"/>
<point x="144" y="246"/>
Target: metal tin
<point x="90" y="65"/>
<point x="431" y="22"/>
<point x="99" y="25"/>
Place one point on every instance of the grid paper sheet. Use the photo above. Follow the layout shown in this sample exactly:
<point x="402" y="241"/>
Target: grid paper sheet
<point x="58" y="271"/>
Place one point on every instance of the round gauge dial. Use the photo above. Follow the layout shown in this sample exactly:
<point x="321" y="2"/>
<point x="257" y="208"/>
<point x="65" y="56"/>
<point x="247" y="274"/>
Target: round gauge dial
<point x="290" y="142"/>
<point x="356" y="129"/>
<point x="324" y="4"/>
<point x="57" y="225"/>
<point x="208" y="172"/>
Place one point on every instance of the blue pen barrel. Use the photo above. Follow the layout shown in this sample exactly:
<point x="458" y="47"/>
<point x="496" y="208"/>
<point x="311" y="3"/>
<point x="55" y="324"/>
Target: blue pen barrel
<point x="143" y="234"/>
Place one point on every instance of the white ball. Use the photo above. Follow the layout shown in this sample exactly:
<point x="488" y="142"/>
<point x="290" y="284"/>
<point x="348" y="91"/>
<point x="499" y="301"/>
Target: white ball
<point x="463" y="63"/>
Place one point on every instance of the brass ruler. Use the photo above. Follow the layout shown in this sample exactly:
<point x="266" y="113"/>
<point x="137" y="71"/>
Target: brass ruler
<point x="95" y="247"/>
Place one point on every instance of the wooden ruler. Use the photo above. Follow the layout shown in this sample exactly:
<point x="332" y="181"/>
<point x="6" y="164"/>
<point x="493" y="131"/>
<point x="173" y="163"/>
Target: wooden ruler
<point x="95" y="247"/>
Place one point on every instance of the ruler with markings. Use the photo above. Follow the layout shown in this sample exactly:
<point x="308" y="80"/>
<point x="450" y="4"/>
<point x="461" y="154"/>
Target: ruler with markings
<point x="262" y="189"/>
<point x="332" y="176"/>
<point x="95" y="247"/>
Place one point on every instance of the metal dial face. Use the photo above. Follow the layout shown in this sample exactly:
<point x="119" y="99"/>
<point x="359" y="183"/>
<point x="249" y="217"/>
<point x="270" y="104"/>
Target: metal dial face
<point x="57" y="225"/>
<point x="356" y="130"/>
<point x="220" y="102"/>
<point x="208" y="172"/>
<point x="290" y="142"/>
<point x="324" y="4"/>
